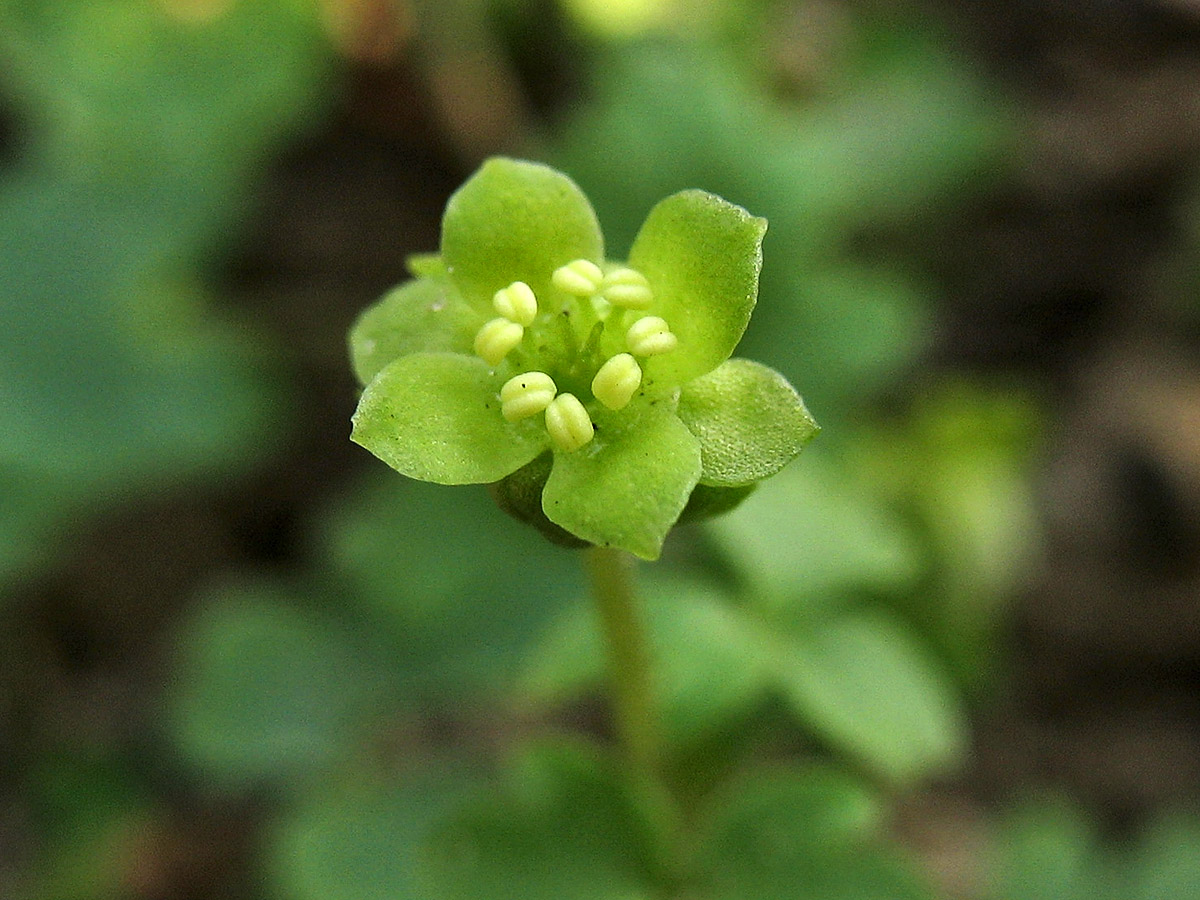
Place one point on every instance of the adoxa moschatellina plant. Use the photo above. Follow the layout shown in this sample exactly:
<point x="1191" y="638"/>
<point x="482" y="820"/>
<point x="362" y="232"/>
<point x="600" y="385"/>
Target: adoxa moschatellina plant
<point x="597" y="397"/>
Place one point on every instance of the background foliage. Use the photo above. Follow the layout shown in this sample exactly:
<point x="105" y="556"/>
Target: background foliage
<point x="946" y="654"/>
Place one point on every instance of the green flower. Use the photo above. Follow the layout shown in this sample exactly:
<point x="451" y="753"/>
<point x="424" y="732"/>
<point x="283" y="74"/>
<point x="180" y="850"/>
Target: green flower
<point x="522" y="356"/>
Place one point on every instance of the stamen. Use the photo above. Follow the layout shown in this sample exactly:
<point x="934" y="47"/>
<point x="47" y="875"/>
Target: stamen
<point x="650" y="336"/>
<point x="526" y="395"/>
<point x="568" y="423"/>
<point x="496" y="338"/>
<point x="626" y="288"/>
<point x="516" y="303"/>
<point x="617" y="381"/>
<point x="580" y="278"/>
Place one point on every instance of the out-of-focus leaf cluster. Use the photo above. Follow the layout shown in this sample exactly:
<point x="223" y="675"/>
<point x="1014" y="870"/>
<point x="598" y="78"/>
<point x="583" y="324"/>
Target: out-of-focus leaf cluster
<point x="137" y="130"/>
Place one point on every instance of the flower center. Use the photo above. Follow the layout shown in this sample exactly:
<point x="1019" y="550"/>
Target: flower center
<point x="534" y="339"/>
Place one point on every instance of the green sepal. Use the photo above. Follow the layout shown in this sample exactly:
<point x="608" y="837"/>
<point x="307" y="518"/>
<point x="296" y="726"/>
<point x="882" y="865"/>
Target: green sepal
<point x="749" y="419"/>
<point x="436" y="417"/>
<point x="702" y="256"/>
<point x="520" y="495"/>
<point x="627" y="487"/>
<point x="516" y="221"/>
<point x="424" y="316"/>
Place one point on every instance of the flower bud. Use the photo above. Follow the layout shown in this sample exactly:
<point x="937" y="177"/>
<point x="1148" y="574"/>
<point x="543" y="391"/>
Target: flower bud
<point x="617" y="381"/>
<point x="650" y="336"/>
<point x="568" y="422"/>
<point x="581" y="278"/>
<point x="526" y="395"/>
<point x="626" y="288"/>
<point x="516" y="303"/>
<point x="496" y="338"/>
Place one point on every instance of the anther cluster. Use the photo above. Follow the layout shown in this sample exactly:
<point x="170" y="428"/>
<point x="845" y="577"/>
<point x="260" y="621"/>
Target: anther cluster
<point x="616" y="299"/>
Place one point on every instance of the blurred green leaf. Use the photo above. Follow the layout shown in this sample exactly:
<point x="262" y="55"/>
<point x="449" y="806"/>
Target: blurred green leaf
<point x="89" y="810"/>
<point x="362" y="841"/>
<point x="710" y="661"/>
<point x="860" y="681"/>
<point x="143" y="126"/>
<point x="1049" y="848"/>
<point x="458" y="587"/>
<point x="802" y="835"/>
<point x="863" y="683"/>
<point x="1047" y="853"/>
<point x="957" y="467"/>
<point x="561" y="828"/>
<point x="1167" y="859"/>
<point x="820" y="808"/>
<point x="113" y="375"/>
<point x="26" y="525"/>
<point x="265" y="690"/>
<point x="134" y="90"/>
<point x="814" y="536"/>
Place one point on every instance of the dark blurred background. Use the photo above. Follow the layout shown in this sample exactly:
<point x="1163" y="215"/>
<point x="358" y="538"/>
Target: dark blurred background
<point x="983" y="273"/>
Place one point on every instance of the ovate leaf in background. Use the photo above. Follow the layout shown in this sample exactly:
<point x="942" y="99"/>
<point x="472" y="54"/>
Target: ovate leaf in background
<point x="1046" y="853"/>
<point x="863" y="683"/>
<point x="92" y="811"/>
<point x="265" y="690"/>
<point x="136" y="90"/>
<point x="957" y="467"/>
<point x="815" y="537"/>
<point x="803" y="835"/>
<point x="142" y="130"/>
<point x="1166" y="862"/>
<point x="859" y="681"/>
<point x="456" y="586"/>
<point x="1050" y="849"/>
<point x="362" y="841"/>
<point x="561" y="827"/>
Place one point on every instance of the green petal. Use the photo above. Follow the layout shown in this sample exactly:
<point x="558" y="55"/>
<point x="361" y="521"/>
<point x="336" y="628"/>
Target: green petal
<point x="626" y="488"/>
<point x="702" y="256"/>
<point x="436" y="417"/>
<point x="516" y="221"/>
<point x="750" y="422"/>
<point x="418" y="316"/>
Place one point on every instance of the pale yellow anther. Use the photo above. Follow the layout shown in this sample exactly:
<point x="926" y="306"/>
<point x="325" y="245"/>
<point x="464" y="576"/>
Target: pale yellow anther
<point x="617" y="381"/>
<point x="496" y="338"/>
<point x="581" y="278"/>
<point x="568" y="423"/>
<point x="650" y="336"/>
<point x="526" y="395"/>
<point x="516" y="303"/>
<point x="626" y="288"/>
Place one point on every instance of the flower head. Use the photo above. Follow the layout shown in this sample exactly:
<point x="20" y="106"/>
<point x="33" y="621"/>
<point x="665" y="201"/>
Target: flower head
<point x="521" y="345"/>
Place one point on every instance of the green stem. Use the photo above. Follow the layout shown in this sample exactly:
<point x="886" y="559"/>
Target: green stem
<point x="611" y="575"/>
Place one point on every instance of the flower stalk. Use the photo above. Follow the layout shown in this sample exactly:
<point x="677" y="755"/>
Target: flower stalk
<point x="610" y="573"/>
